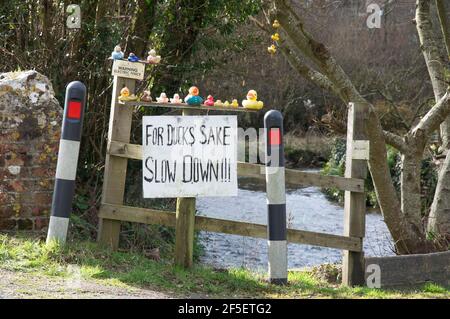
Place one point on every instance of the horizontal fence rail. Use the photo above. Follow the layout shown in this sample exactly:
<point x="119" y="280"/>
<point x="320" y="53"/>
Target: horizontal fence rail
<point x="294" y="177"/>
<point x="151" y="216"/>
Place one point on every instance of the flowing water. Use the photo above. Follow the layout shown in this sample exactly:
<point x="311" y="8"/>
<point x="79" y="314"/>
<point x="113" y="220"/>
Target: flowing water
<point x="307" y="209"/>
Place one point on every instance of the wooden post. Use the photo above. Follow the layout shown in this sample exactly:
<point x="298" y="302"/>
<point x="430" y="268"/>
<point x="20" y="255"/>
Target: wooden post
<point x="185" y="222"/>
<point x="116" y="167"/>
<point x="355" y="203"/>
<point x="184" y="232"/>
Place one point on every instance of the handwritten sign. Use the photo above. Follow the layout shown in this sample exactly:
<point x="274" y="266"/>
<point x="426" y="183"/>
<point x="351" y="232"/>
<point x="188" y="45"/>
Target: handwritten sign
<point x="126" y="69"/>
<point x="189" y="156"/>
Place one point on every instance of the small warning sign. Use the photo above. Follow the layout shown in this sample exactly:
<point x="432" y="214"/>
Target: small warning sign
<point x="126" y="69"/>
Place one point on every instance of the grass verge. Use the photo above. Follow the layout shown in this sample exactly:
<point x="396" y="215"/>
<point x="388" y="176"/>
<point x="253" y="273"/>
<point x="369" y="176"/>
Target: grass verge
<point x="22" y="253"/>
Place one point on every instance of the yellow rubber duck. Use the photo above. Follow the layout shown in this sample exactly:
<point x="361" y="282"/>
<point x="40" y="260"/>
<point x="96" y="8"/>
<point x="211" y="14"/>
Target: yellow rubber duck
<point x="272" y="49"/>
<point x="234" y="103"/>
<point x="252" y="101"/>
<point x="126" y="96"/>
<point x="276" y="24"/>
<point x="226" y="104"/>
<point x="275" y="37"/>
<point x="218" y="103"/>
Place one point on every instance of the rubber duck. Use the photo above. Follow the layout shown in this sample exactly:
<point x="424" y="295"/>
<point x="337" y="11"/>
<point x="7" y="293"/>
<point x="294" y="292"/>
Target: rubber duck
<point x="226" y="104"/>
<point x="218" y="103"/>
<point x="234" y="103"/>
<point x="209" y="101"/>
<point x="117" y="54"/>
<point x="162" y="98"/>
<point x="176" y="99"/>
<point x="153" y="58"/>
<point x="193" y="98"/>
<point x="126" y="96"/>
<point x="132" y="57"/>
<point x="275" y="37"/>
<point x="276" y="24"/>
<point x="146" y="97"/>
<point x="252" y="101"/>
<point x="272" y="49"/>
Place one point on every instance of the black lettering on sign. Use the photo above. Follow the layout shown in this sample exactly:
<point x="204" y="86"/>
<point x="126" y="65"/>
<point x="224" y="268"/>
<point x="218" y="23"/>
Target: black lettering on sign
<point x="225" y="135"/>
<point x="215" y="135"/>
<point x="187" y="158"/>
<point x="202" y="131"/>
<point x="195" y="170"/>
<point x="147" y="133"/>
<point x="148" y="167"/>
<point x="191" y="131"/>
<point x="154" y="134"/>
<point x="170" y="133"/>
<point x="160" y="172"/>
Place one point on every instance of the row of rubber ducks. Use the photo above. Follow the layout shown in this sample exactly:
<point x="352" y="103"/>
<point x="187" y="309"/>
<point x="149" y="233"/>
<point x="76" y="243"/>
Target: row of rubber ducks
<point x="194" y="99"/>
<point x="152" y="58"/>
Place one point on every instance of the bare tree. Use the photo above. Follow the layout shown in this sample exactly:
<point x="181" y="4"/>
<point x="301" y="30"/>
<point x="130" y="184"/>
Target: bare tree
<point x="313" y="60"/>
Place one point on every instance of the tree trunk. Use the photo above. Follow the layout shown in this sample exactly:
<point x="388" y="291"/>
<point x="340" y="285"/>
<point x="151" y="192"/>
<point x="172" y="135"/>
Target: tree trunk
<point x="183" y="26"/>
<point x="143" y="25"/>
<point x="435" y="61"/>
<point x="406" y="233"/>
<point x="439" y="219"/>
<point x="411" y="195"/>
<point x="443" y="14"/>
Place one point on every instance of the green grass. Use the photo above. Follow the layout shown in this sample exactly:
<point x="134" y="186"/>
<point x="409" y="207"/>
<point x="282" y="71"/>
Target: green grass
<point x="24" y="254"/>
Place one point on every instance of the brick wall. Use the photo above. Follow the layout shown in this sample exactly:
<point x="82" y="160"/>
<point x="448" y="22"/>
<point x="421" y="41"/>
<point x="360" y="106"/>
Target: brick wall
<point x="30" y="118"/>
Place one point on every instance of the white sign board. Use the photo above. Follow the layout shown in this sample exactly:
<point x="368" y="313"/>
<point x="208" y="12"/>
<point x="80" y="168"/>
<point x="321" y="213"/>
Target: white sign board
<point x="361" y="150"/>
<point x="126" y="69"/>
<point x="189" y="156"/>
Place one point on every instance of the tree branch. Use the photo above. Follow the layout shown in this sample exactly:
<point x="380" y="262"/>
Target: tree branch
<point x="260" y="25"/>
<point x="431" y="121"/>
<point x="305" y="71"/>
<point x="396" y="112"/>
<point x="305" y="45"/>
<point x="433" y="58"/>
<point x="395" y="141"/>
<point x="308" y="73"/>
<point x="445" y="25"/>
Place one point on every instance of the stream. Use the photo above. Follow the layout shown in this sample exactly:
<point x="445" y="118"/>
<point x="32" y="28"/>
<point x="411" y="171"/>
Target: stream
<point x="307" y="209"/>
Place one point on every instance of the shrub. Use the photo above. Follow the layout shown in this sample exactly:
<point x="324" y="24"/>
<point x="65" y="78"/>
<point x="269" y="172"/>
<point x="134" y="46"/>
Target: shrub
<point x="336" y="167"/>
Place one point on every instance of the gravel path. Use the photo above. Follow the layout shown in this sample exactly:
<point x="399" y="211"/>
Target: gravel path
<point x="28" y="285"/>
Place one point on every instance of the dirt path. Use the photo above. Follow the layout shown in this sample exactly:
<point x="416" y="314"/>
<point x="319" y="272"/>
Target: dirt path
<point x="28" y="285"/>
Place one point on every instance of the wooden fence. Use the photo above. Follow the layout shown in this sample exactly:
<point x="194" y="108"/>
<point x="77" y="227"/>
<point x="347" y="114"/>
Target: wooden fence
<point x="112" y="210"/>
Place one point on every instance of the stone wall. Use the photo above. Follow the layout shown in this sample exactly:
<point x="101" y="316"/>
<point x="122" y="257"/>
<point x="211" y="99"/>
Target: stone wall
<point x="411" y="270"/>
<point x="30" y="118"/>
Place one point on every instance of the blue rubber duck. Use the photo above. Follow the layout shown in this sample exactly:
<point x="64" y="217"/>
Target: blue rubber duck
<point x="117" y="54"/>
<point x="193" y="98"/>
<point x="133" y="58"/>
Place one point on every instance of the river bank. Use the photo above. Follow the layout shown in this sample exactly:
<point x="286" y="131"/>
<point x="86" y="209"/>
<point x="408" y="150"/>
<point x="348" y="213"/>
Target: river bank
<point x="31" y="269"/>
<point x="309" y="151"/>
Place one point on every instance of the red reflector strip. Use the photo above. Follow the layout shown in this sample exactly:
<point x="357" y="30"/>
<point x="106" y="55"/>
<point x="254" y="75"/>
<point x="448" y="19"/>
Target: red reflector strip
<point x="274" y="136"/>
<point x="74" y="110"/>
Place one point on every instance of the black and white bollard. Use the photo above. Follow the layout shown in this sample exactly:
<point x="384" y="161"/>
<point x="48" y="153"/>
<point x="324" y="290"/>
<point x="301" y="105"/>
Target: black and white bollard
<point x="66" y="168"/>
<point x="276" y="198"/>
